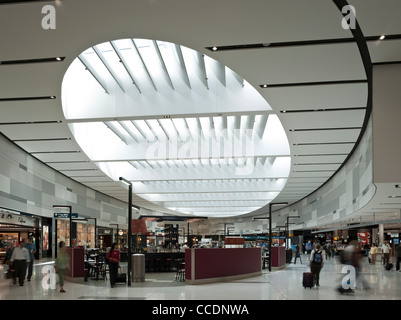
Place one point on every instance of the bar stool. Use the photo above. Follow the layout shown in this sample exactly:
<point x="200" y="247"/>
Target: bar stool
<point x="157" y="265"/>
<point x="168" y="264"/>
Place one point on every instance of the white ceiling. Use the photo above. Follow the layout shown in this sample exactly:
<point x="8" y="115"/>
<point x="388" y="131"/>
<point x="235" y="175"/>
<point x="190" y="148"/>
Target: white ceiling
<point x="322" y="87"/>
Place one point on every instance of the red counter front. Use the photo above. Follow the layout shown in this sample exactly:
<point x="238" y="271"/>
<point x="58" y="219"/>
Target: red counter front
<point x="214" y="265"/>
<point x="75" y="273"/>
<point x="278" y="257"/>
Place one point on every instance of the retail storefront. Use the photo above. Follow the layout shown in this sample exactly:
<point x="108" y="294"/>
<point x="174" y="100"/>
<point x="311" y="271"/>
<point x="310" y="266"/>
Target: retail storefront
<point x="17" y="226"/>
<point x="83" y="234"/>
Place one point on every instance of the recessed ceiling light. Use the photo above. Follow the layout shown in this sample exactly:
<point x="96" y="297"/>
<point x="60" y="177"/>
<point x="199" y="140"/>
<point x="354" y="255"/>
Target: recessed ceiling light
<point x="58" y="59"/>
<point x="214" y="48"/>
<point x="166" y="117"/>
<point x="382" y="37"/>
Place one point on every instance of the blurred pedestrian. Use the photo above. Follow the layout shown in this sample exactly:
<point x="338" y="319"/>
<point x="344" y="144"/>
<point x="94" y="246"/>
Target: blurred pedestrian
<point x="398" y="251"/>
<point x="62" y="264"/>
<point x="297" y="254"/>
<point x="31" y="249"/>
<point x="373" y="253"/>
<point x="353" y="254"/>
<point x="386" y="252"/>
<point x="308" y="248"/>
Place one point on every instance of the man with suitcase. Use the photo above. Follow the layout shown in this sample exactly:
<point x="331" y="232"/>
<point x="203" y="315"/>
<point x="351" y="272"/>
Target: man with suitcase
<point x="316" y="263"/>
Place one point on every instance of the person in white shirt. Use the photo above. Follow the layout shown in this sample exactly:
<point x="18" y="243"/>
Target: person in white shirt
<point x="386" y="252"/>
<point x="20" y="258"/>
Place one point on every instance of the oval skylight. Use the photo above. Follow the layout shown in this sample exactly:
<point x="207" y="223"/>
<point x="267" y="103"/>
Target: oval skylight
<point x="190" y="133"/>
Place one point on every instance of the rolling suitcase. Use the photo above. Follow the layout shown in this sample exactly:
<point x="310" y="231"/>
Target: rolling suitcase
<point x="121" y="278"/>
<point x="389" y="266"/>
<point x="307" y="280"/>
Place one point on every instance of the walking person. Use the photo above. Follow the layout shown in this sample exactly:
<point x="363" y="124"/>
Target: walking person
<point x="308" y="248"/>
<point x="297" y="254"/>
<point x="316" y="263"/>
<point x="62" y="264"/>
<point x="31" y="249"/>
<point x="113" y="258"/>
<point x="373" y="253"/>
<point x="20" y="258"/>
<point x="386" y="252"/>
<point x="7" y="261"/>
<point x="398" y="251"/>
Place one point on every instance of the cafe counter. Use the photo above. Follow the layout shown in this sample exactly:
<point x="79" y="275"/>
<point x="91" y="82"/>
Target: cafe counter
<point x="221" y="264"/>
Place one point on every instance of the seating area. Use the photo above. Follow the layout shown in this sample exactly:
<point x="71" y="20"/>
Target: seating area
<point x="162" y="262"/>
<point x="95" y="266"/>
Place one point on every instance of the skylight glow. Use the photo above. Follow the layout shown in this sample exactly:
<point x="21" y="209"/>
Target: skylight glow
<point x="220" y="152"/>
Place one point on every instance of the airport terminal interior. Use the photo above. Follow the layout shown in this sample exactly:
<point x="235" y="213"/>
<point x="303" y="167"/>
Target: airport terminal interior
<point x="210" y="142"/>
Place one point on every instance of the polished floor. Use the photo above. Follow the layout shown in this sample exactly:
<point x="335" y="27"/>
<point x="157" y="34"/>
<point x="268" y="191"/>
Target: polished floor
<point x="285" y="284"/>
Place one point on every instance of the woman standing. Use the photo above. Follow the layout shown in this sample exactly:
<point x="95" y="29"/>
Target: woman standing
<point x="373" y="253"/>
<point x="113" y="257"/>
<point x="62" y="263"/>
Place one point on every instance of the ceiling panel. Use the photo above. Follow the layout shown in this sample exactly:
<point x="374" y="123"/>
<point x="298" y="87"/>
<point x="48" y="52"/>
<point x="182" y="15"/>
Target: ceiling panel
<point x="297" y="64"/>
<point x="324" y="119"/>
<point x="48" y="146"/>
<point x="30" y="110"/>
<point x="317" y="96"/>
<point x="385" y="51"/>
<point x="36" y="131"/>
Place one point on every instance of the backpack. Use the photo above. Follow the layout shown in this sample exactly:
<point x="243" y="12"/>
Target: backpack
<point x="317" y="257"/>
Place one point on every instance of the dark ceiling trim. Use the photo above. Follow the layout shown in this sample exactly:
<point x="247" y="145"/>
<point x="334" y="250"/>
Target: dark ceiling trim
<point x="38" y="140"/>
<point x="27" y="98"/>
<point x="324" y="129"/>
<point x="42" y="152"/>
<point x="30" y="61"/>
<point x="279" y="44"/>
<point x="267" y="45"/>
<point x="315" y="83"/>
<point x="321" y="143"/>
<point x="29" y="122"/>
<point x="386" y="62"/>
<point x="5" y="2"/>
<point x="322" y="110"/>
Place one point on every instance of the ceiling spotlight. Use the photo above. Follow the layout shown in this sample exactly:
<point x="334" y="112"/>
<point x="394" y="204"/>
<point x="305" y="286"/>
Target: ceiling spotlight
<point x="214" y="48"/>
<point x="382" y="37"/>
<point x="166" y="117"/>
<point x="58" y="59"/>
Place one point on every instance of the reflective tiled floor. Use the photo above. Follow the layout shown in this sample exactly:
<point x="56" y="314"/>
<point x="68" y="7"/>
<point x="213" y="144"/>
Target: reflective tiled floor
<point x="285" y="284"/>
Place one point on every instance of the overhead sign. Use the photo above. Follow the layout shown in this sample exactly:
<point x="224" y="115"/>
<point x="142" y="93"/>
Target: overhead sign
<point x="9" y="218"/>
<point x="65" y="215"/>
